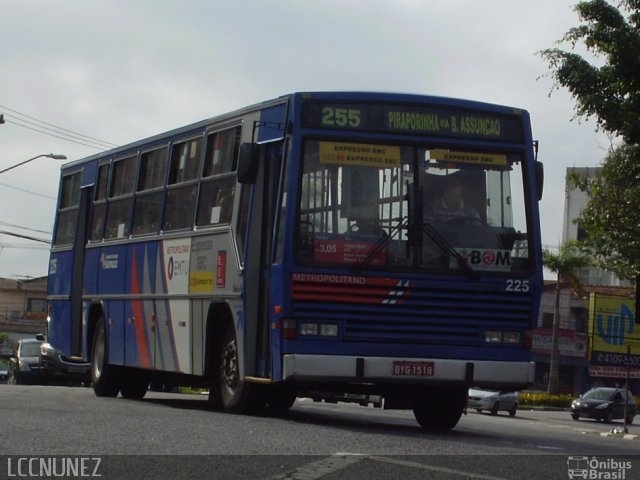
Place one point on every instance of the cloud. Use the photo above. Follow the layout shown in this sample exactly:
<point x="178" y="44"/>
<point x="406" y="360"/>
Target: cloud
<point x="121" y="71"/>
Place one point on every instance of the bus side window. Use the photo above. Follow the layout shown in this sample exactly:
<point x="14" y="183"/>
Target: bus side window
<point x="216" y="202"/>
<point x="68" y="209"/>
<point x="100" y="204"/>
<point x="179" y="208"/>
<point x="217" y="190"/>
<point x="121" y="198"/>
<point x="149" y="196"/>
<point x="181" y="195"/>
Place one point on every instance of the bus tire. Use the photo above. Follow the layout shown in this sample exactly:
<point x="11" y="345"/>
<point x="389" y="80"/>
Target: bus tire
<point x="105" y="377"/>
<point x="281" y="398"/>
<point x="134" y="384"/>
<point x="440" y="409"/>
<point x="237" y="396"/>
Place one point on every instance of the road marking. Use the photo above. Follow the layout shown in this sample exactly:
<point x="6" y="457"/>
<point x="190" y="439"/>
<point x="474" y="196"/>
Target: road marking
<point x="338" y="461"/>
<point x="433" y="468"/>
<point x="321" y="468"/>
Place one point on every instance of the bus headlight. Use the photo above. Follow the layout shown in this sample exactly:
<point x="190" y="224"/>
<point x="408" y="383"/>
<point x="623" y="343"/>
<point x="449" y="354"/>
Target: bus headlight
<point x="308" y="329"/>
<point x="511" y="337"/>
<point x="493" y="336"/>
<point x="329" y="330"/>
<point x="312" y="329"/>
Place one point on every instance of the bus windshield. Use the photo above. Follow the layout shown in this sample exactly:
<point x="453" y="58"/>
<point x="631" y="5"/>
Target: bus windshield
<point x="403" y="207"/>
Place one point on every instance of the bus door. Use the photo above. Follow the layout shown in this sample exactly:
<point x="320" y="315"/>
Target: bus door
<point x="77" y="275"/>
<point x="259" y="240"/>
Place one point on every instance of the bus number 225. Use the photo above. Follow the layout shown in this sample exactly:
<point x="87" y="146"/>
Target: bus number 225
<point x="340" y="117"/>
<point x="517" y="285"/>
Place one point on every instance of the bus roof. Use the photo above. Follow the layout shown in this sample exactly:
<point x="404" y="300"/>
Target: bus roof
<point x="317" y="95"/>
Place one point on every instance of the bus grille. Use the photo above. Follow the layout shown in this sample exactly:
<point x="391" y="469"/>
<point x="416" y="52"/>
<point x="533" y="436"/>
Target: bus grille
<point x="444" y="314"/>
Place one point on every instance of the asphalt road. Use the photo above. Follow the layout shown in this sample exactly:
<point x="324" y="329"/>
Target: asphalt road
<point x="158" y="437"/>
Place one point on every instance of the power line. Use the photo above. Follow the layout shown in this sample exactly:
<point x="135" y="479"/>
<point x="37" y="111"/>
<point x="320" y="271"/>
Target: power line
<point x="23" y="246"/>
<point x="26" y="237"/>
<point x="24" y="228"/>
<point x="28" y="191"/>
<point x="57" y="136"/>
<point x="59" y="130"/>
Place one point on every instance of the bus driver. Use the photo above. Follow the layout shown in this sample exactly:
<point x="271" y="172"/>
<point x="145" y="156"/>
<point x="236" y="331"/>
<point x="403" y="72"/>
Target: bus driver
<point x="450" y="206"/>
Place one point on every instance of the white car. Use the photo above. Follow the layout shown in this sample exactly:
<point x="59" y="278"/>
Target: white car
<point x="493" y="400"/>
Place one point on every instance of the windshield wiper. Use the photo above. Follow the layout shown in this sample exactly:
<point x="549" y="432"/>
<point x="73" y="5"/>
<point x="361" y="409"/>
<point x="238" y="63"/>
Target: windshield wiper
<point x="446" y="247"/>
<point x="377" y="247"/>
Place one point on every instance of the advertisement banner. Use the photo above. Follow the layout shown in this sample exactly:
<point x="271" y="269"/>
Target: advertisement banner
<point x="613" y="331"/>
<point x="570" y="343"/>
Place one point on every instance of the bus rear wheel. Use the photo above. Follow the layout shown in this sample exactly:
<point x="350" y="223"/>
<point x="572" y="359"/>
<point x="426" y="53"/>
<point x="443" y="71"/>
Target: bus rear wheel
<point x="105" y="377"/>
<point x="237" y="395"/>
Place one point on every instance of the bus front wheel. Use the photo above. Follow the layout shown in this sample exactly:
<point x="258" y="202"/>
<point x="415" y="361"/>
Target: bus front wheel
<point x="440" y="409"/>
<point x="105" y="377"/>
<point x="237" y="395"/>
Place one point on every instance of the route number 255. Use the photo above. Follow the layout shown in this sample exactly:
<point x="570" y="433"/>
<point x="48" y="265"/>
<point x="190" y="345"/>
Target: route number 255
<point x="340" y="117"/>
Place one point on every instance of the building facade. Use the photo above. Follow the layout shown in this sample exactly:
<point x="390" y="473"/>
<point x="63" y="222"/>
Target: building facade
<point x="597" y="326"/>
<point x="23" y="310"/>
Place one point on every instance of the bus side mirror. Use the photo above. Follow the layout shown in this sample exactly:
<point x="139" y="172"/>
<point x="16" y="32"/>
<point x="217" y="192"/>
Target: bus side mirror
<point x="539" y="178"/>
<point x="248" y="163"/>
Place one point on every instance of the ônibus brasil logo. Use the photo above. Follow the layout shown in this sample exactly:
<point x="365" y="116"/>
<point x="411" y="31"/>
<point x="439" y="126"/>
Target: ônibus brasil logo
<point x="597" y="469"/>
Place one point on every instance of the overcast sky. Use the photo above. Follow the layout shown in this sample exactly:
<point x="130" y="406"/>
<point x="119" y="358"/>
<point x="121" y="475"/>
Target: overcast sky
<point x="119" y="71"/>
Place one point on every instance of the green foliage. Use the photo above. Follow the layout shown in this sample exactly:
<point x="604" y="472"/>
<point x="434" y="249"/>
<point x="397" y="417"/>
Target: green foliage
<point x="610" y="91"/>
<point x="570" y="257"/>
<point x="544" y="400"/>
<point x="612" y="214"/>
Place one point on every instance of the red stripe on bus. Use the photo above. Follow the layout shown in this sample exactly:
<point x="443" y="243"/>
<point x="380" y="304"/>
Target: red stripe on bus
<point x="138" y="317"/>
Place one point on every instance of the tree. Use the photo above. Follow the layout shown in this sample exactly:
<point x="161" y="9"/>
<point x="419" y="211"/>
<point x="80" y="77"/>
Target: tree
<point x="612" y="215"/>
<point x="609" y="91"/>
<point x="570" y="257"/>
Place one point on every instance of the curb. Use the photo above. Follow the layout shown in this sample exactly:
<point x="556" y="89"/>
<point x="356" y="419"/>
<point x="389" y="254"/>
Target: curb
<point x="623" y="436"/>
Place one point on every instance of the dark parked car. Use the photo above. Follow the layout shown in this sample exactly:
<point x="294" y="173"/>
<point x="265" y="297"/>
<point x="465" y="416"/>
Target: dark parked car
<point x="4" y="373"/>
<point x="55" y="367"/>
<point x="604" y="403"/>
<point x="24" y="366"/>
<point x="36" y="361"/>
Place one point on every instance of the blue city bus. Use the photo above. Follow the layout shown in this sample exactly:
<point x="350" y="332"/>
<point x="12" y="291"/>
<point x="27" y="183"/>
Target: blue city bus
<point x="354" y="243"/>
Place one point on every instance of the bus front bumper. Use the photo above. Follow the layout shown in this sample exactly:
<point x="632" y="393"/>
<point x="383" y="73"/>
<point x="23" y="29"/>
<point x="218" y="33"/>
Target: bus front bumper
<point x="333" y="368"/>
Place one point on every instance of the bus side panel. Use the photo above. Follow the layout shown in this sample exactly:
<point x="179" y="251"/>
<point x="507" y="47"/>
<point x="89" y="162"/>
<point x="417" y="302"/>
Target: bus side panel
<point x="60" y="268"/>
<point x="111" y="270"/>
<point x="176" y="338"/>
<point x="59" y="330"/>
<point x="174" y="316"/>
<point x="271" y="116"/>
<point x="115" y="331"/>
<point x="91" y="266"/>
<point x="111" y="273"/>
<point x="140" y="310"/>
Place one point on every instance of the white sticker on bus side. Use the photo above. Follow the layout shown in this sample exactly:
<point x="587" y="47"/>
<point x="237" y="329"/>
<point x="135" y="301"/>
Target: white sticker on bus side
<point x="176" y="265"/>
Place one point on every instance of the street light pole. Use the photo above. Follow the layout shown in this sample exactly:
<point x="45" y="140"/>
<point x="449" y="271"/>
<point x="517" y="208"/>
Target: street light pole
<point x="49" y="155"/>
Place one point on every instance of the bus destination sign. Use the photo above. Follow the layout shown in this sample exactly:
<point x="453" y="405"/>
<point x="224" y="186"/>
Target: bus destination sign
<point x="414" y="120"/>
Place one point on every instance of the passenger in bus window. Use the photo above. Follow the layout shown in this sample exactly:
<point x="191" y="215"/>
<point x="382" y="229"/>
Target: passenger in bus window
<point x="450" y="206"/>
<point x="148" y="221"/>
<point x="224" y="201"/>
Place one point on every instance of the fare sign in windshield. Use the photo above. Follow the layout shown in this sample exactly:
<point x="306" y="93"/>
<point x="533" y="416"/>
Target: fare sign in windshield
<point x="414" y="120"/>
